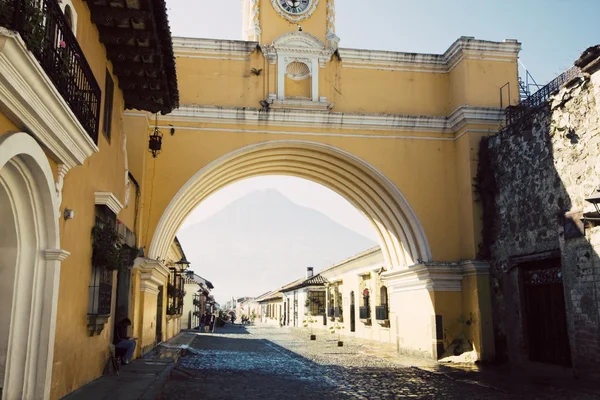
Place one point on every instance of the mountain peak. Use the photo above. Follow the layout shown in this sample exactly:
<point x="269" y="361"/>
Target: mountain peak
<point x="266" y="240"/>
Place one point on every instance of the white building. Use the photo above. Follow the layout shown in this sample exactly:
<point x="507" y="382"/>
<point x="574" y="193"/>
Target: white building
<point x="197" y="291"/>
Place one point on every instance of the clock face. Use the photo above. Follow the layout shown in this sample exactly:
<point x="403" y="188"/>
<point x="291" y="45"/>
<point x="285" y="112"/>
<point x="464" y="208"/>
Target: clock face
<point x="295" y="7"/>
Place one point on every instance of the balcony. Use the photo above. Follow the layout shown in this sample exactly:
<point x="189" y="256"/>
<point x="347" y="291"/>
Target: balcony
<point x="364" y="313"/>
<point x="43" y="28"/>
<point x="381" y="313"/>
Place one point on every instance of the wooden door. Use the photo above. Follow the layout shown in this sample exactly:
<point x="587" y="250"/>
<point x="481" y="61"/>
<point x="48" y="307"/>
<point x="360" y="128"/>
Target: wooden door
<point x="545" y="313"/>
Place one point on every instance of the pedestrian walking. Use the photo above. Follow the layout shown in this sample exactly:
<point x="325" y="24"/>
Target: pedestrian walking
<point x="202" y="322"/>
<point x="208" y="322"/>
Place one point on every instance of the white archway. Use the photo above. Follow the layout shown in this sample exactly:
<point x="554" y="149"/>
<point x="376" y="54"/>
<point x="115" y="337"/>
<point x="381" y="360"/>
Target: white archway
<point x="30" y="238"/>
<point x="402" y="237"/>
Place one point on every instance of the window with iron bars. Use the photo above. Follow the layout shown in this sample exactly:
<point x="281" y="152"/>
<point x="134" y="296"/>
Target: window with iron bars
<point x="175" y="293"/>
<point x="100" y="288"/>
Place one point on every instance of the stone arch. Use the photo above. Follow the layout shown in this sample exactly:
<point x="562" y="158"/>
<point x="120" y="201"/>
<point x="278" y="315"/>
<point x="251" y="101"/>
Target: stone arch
<point x="401" y="236"/>
<point x="31" y="263"/>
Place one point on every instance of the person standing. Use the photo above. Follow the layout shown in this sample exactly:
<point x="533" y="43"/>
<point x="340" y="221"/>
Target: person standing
<point x="202" y="322"/>
<point x="207" y="322"/>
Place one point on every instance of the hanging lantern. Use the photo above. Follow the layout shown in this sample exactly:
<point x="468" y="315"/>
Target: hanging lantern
<point x="155" y="140"/>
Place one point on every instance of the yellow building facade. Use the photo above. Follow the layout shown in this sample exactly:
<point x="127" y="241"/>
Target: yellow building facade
<point x="396" y="134"/>
<point x="64" y="86"/>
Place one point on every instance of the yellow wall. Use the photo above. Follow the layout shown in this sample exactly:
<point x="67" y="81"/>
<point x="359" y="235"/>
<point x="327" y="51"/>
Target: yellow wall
<point x="6" y="125"/>
<point x="402" y="161"/>
<point x="229" y="82"/>
<point x="295" y="88"/>
<point x="478" y="310"/>
<point x="371" y="90"/>
<point x="148" y="327"/>
<point x="79" y="358"/>
<point x="478" y="82"/>
<point x="221" y="82"/>
<point x="435" y="175"/>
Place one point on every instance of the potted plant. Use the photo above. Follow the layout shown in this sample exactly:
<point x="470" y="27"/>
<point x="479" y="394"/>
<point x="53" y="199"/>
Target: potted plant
<point x="307" y="322"/>
<point x="337" y="327"/>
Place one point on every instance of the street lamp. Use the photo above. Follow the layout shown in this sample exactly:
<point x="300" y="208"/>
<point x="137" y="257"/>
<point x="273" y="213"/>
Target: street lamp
<point x="595" y="200"/>
<point x="183" y="263"/>
<point x="155" y="140"/>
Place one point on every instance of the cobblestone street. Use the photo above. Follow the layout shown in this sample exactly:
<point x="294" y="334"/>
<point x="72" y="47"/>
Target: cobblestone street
<point x="273" y="363"/>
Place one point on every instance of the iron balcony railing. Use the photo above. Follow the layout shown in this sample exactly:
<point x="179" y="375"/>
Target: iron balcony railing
<point x="364" y="312"/>
<point x="44" y="29"/>
<point x="381" y="313"/>
<point x="515" y="113"/>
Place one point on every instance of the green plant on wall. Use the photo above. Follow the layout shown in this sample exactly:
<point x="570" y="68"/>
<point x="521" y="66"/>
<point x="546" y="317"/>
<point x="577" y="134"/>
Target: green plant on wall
<point x="107" y="247"/>
<point x="33" y="21"/>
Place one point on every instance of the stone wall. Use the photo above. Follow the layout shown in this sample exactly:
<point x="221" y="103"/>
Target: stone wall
<point x="533" y="181"/>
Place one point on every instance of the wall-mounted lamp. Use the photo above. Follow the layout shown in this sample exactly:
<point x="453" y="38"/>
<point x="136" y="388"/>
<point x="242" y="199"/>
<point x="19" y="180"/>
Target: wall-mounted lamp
<point x="155" y="140"/>
<point x="183" y="263"/>
<point x="595" y="200"/>
<point x="592" y="219"/>
<point x="68" y="214"/>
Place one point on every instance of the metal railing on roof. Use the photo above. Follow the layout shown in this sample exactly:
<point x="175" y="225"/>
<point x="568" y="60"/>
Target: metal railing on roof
<point x="538" y="99"/>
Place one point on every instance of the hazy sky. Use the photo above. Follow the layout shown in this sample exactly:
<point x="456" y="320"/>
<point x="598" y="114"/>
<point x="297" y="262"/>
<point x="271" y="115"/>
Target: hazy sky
<point x="553" y="34"/>
<point x="300" y="191"/>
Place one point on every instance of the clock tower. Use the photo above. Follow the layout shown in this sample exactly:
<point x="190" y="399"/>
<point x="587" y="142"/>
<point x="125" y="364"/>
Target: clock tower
<point x="297" y="37"/>
<point x="266" y="20"/>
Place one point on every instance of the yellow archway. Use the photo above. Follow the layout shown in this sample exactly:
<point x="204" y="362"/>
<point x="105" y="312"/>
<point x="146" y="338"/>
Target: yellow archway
<point x="402" y="237"/>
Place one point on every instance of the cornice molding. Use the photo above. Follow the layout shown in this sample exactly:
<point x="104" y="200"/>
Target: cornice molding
<point x="28" y="96"/>
<point x="324" y="119"/>
<point x="153" y="273"/>
<point x="110" y="200"/>
<point x="56" y="255"/>
<point x="432" y="276"/>
<point x="214" y="48"/>
<point x="461" y="49"/>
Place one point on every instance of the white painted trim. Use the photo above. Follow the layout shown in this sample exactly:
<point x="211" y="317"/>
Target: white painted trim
<point x="57" y="254"/>
<point x="153" y="274"/>
<point x="464" y="48"/>
<point x="63" y="5"/>
<point x="346" y="265"/>
<point x="110" y="200"/>
<point x="33" y="322"/>
<point x="318" y="134"/>
<point x="322" y="119"/>
<point x="30" y="100"/>
<point x="402" y="237"/>
<point x="440" y="277"/>
<point x="223" y="48"/>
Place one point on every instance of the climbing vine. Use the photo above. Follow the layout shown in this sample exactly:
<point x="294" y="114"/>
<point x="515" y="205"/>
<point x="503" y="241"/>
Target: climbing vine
<point x="107" y="247"/>
<point x="487" y="189"/>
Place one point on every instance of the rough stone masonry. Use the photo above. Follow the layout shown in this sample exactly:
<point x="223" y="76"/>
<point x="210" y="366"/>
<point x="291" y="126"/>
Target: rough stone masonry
<point x="534" y="177"/>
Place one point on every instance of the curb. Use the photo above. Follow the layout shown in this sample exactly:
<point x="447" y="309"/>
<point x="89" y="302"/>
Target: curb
<point x="156" y="388"/>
